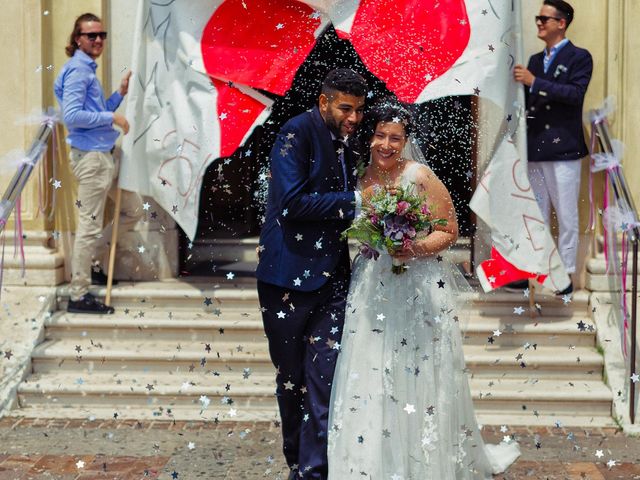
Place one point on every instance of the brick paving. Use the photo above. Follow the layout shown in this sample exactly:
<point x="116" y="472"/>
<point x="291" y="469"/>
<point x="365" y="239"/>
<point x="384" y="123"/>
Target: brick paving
<point x="126" y="450"/>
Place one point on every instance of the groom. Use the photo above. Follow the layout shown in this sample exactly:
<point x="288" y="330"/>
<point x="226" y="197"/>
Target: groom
<point x="304" y="267"/>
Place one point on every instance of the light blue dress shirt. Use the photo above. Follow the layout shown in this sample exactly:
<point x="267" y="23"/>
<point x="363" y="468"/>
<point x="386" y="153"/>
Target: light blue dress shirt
<point x="86" y="113"/>
<point x="549" y="57"/>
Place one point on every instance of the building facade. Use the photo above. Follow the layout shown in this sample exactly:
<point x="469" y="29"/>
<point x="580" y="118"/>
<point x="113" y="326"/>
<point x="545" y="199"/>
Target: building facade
<point x="35" y="32"/>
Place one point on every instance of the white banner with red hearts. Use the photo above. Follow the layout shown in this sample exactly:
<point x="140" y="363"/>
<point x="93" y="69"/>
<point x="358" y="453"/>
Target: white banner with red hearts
<point x="199" y="66"/>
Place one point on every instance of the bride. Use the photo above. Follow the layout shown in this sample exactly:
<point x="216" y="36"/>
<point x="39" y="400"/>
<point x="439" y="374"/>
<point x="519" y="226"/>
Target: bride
<point x="401" y="407"/>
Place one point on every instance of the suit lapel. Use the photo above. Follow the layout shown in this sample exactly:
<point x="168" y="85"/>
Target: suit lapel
<point x="562" y="57"/>
<point x="328" y="154"/>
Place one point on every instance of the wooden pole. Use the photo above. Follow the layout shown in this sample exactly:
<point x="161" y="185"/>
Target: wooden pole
<point x="114" y="243"/>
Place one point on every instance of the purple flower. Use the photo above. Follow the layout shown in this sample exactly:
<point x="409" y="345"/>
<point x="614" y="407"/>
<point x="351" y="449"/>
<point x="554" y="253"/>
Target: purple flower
<point x="396" y="227"/>
<point x="368" y="252"/>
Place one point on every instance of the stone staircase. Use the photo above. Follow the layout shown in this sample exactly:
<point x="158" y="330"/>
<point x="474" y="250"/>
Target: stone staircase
<point x="195" y="349"/>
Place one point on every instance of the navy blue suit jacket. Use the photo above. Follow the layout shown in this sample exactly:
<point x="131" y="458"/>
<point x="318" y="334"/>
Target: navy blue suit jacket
<point x="554" y="105"/>
<point x="307" y="206"/>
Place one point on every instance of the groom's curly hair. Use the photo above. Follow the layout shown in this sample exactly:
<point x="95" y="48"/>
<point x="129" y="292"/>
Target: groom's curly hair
<point x="344" y="80"/>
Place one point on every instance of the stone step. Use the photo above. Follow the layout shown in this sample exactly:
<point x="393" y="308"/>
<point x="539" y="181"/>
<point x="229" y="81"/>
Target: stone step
<point x="176" y="295"/>
<point x="101" y="413"/>
<point x="598" y="280"/>
<point x="548" y="398"/>
<point x="233" y="324"/>
<point x="149" y="356"/>
<point x="543" y="362"/>
<point x="544" y="397"/>
<point x="520" y="330"/>
<point x="127" y="355"/>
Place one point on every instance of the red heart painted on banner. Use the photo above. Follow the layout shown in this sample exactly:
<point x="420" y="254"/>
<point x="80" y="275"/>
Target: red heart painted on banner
<point x="237" y="112"/>
<point x="260" y="43"/>
<point x="409" y="43"/>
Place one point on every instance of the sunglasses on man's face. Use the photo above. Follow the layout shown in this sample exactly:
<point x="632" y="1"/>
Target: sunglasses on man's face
<point x="94" y="35"/>
<point x="544" y="19"/>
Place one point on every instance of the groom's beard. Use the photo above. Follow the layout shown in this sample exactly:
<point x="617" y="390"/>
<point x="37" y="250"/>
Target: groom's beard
<point x="336" y="127"/>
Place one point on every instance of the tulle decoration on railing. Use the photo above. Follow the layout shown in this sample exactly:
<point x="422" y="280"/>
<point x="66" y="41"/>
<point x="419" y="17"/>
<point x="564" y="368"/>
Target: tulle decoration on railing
<point x="24" y="163"/>
<point x="619" y="217"/>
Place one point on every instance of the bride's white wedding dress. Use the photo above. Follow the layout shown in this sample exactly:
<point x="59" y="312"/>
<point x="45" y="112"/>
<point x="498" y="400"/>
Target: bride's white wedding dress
<point x="401" y="407"/>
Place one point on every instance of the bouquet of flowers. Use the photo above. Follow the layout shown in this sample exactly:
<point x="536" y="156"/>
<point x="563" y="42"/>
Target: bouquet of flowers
<point x="392" y="221"/>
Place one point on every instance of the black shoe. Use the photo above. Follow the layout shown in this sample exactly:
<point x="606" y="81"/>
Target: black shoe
<point x="517" y="287"/>
<point x="566" y="291"/>
<point x="99" y="278"/>
<point x="89" y="304"/>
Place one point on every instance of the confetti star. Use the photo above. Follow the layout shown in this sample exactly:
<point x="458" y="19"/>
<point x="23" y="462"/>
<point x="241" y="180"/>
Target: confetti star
<point x="497" y="333"/>
<point x="380" y="317"/>
<point x="8" y="354"/>
<point x="223" y="116"/>
<point x="428" y="77"/>
<point x="289" y="385"/>
<point x="174" y="209"/>
<point x="476" y="91"/>
<point x="233" y="412"/>
<point x="484" y="12"/>
<point x="409" y="409"/>
<point x="581" y="326"/>
<point x="78" y="204"/>
<point x="279" y="26"/>
<point x="318" y="245"/>
<point x="440" y="283"/>
<point x="566" y="299"/>
<point x="191" y="445"/>
<point x="518" y="310"/>
<point x="492" y="48"/>
<point x="207" y="301"/>
<point x="297" y="282"/>
<point x="334" y="330"/>
<point x="556" y="140"/>
<point x="299" y="237"/>
<point x="174" y="475"/>
<point x="635" y="378"/>
<point x="146" y="206"/>
<point x="599" y="454"/>
<point x="230" y="276"/>
<point x="141" y="249"/>
<point x="57" y="184"/>
<point x="306" y="274"/>
<point x="611" y="463"/>
<point x="281" y="314"/>
<point x="80" y="464"/>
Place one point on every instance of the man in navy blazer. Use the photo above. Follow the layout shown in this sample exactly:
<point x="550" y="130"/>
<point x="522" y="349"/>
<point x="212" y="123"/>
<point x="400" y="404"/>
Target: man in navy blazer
<point x="557" y="78"/>
<point x="304" y="266"/>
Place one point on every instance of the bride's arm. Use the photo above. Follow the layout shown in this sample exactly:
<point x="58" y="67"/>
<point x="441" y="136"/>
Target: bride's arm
<point x="441" y="206"/>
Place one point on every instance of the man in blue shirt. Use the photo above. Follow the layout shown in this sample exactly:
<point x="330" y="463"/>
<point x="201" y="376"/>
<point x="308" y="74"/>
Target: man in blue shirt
<point x="557" y="78"/>
<point x="90" y="120"/>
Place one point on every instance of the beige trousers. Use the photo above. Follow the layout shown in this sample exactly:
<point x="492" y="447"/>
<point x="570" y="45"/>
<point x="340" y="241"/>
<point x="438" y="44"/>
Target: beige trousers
<point x="97" y="174"/>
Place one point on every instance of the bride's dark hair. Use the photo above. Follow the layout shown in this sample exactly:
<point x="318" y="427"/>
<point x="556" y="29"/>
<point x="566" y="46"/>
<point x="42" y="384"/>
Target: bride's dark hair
<point x="388" y="109"/>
